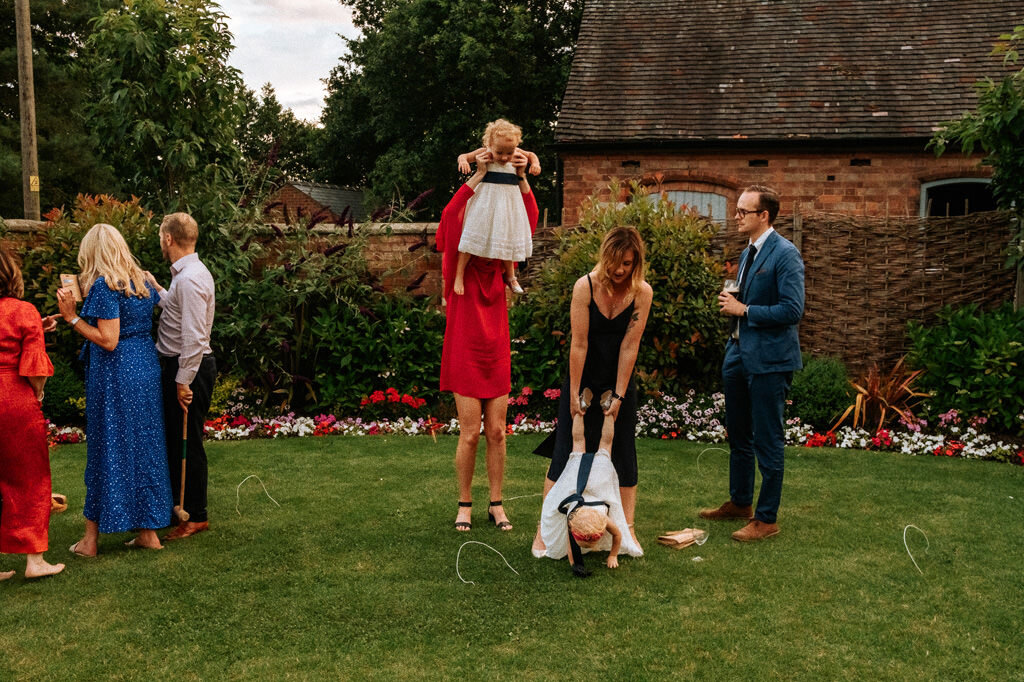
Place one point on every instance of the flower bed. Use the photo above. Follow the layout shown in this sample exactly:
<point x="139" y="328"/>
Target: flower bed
<point x="63" y="435"/>
<point x="695" y="418"/>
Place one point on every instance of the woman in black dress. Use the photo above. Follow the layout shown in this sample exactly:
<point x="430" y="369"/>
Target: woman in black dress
<point x="609" y="311"/>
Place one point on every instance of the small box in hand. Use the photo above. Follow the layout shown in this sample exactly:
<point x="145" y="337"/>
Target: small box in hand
<point x="70" y="282"/>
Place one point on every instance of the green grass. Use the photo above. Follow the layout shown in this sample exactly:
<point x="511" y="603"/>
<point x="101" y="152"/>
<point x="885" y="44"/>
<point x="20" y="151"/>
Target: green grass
<point x="353" y="577"/>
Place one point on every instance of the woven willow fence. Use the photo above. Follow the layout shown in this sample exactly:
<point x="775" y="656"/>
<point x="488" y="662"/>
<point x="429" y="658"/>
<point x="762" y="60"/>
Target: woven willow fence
<point x="866" y="277"/>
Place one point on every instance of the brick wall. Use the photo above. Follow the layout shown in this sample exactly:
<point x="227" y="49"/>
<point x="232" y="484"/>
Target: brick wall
<point x="819" y="181"/>
<point x="390" y="258"/>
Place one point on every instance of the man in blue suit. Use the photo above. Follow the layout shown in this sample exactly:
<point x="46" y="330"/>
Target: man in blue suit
<point x="761" y="355"/>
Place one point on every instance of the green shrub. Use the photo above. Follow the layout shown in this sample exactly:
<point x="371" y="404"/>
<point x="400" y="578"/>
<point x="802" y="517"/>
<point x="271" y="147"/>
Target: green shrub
<point x="223" y="392"/>
<point x="974" y="362"/>
<point x="64" y="397"/>
<point x="685" y="336"/>
<point x="820" y="391"/>
<point x="391" y="342"/>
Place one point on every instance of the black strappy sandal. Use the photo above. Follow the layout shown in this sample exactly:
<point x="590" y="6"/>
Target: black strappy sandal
<point x="504" y="525"/>
<point x="461" y="525"/>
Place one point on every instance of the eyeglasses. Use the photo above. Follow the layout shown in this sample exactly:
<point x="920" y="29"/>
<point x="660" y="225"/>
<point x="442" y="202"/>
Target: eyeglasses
<point x="743" y="213"/>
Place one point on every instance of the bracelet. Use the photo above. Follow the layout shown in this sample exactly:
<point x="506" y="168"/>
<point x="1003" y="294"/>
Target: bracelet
<point x="74" y="320"/>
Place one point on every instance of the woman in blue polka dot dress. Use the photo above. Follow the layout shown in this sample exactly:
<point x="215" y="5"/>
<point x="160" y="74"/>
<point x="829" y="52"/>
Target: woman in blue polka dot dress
<point x="127" y="484"/>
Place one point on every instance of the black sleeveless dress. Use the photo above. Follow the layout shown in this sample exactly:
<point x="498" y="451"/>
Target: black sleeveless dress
<point x="604" y="339"/>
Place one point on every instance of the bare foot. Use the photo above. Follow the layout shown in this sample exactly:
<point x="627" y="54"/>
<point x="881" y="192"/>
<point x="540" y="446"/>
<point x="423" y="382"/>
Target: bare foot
<point x="6" y="575"/>
<point x="146" y="539"/>
<point x="632" y="531"/>
<point x="459" y="287"/>
<point x="83" y="548"/>
<point x="37" y="567"/>
<point x="538" y="548"/>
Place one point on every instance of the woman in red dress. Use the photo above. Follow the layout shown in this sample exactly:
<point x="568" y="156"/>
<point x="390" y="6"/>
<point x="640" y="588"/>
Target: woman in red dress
<point x="24" y="455"/>
<point x="476" y="361"/>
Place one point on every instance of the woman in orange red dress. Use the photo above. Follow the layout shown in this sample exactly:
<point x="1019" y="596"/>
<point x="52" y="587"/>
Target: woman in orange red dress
<point x="476" y="360"/>
<point x="24" y="455"/>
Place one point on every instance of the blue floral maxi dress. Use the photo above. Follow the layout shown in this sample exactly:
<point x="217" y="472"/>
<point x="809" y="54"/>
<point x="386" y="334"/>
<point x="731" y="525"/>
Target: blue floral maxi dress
<point x="127" y="484"/>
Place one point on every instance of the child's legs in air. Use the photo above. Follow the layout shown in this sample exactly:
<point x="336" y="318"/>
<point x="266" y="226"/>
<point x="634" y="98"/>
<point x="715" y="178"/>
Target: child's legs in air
<point x="579" y="441"/>
<point x="460" y="273"/>
<point x="607" y="434"/>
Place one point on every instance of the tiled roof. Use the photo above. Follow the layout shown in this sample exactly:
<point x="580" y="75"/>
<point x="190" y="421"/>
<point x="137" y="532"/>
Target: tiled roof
<point x="334" y="197"/>
<point x="666" y="71"/>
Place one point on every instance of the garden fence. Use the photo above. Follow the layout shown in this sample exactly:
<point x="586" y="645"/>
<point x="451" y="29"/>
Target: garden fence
<point x="866" y="277"/>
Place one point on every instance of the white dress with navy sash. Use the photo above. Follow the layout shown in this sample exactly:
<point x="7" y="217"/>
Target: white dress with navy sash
<point x="495" y="224"/>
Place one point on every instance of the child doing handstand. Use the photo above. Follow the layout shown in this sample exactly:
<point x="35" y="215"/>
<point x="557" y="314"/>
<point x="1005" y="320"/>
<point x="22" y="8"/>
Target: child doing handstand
<point x="496" y="225"/>
<point x="595" y="517"/>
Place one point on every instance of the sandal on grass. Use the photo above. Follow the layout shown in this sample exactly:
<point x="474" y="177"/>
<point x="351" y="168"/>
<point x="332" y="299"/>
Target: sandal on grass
<point x="58" y="502"/>
<point x="500" y="525"/>
<point x="464" y="526"/>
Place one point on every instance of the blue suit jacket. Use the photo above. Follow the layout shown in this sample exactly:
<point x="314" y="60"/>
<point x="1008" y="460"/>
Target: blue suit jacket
<point x="774" y="292"/>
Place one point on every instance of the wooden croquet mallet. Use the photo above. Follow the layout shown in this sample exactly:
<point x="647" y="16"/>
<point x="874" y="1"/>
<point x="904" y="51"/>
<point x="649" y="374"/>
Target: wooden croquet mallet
<point x="179" y="509"/>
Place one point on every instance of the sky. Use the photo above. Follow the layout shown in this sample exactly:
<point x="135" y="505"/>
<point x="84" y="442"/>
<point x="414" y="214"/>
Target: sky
<point x="292" y="44"/>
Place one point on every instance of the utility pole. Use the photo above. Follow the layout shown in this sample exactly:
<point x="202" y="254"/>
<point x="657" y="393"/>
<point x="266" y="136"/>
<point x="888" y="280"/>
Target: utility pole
<point x="27" y="99"/>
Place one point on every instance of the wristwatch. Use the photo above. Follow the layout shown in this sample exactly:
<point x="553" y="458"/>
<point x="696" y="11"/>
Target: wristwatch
<point x="74" y="320"/>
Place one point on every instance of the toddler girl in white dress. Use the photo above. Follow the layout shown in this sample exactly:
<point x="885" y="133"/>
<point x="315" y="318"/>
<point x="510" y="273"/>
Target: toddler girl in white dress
<point x="591" y="526"/>
<point x="495" y="224"/>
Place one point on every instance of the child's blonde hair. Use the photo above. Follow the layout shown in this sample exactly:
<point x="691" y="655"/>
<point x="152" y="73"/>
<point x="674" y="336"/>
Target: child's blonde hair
<point x="502" y="129"/>
<point x="587" y="524"/>
<point x="104" y="253"/>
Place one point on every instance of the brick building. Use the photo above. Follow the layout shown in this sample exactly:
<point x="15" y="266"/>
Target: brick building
<point x="830" y="103"/>
<point x="306" y="198"/>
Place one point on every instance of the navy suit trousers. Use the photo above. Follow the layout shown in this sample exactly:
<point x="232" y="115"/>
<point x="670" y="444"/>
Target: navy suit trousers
<point x="754" y="405"/>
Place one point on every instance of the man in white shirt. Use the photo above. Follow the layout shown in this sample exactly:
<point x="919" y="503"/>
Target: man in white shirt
<point x="187" y="367"/>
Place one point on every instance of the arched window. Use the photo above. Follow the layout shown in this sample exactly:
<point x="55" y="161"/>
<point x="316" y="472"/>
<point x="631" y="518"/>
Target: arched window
<point x="708" y="204"/>
<point x="956" y="196"/>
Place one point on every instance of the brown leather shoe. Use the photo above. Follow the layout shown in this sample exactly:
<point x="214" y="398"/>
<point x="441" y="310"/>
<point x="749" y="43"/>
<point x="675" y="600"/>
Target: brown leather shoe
<point x="756" y="530"/>
<point x="728" y="510"/>
<point x="186" y="529"/>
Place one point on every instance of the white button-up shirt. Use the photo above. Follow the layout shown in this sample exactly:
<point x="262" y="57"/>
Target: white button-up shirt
<point x="186" y="319"/>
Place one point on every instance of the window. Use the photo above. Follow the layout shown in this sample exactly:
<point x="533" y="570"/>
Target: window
<point x="708" y="204"/>
<point x="956" y="196"/>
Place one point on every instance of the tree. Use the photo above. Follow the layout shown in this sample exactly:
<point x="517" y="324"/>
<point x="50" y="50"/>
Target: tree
<point x="269" y="134"/>
<point x="421" y="82"/>
<point x="69" y="158"/>
<point x="168" y="104"/>
<point x="997" y="126"/>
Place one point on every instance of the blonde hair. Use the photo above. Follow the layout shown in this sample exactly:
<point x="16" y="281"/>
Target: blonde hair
<point x="11" y="283"/>
<point x="587" y="520"/>
<point x="617" y="243"/>
<point x="501" y="129"/>
<point x="104" y="253"/>
<point x="182" y="227"/>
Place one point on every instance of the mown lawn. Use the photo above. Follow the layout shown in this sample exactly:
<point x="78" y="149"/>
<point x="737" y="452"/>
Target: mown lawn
<point x="354" y="576"/>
